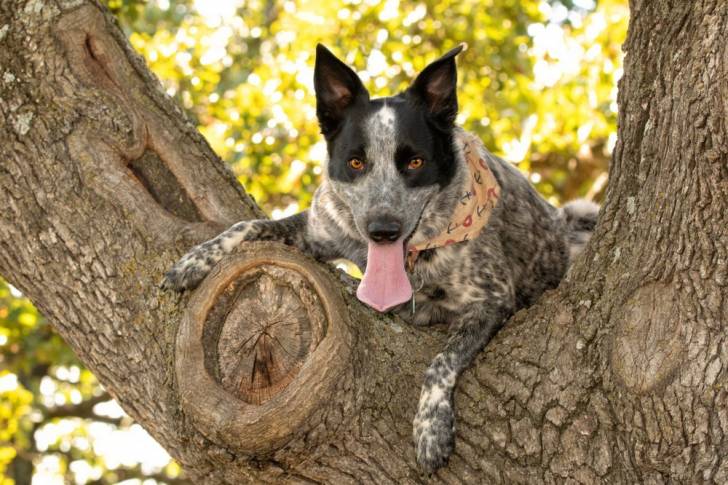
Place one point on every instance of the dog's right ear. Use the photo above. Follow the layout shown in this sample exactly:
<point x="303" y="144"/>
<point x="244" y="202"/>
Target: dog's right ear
<point x="337" y="88"/>
<point x="436" y="87"/>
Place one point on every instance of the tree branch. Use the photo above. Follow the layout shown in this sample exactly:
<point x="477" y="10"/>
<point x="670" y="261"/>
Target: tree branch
<point x="84" y="409"/>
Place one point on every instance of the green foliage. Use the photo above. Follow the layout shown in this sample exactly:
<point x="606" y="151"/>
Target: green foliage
<point x="49" y="402"/>
<point x="537" y="83"/>
<point x="28" y="349"/>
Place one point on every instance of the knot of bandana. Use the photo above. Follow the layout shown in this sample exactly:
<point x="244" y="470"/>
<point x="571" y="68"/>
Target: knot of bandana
<point x="479" y="196"/>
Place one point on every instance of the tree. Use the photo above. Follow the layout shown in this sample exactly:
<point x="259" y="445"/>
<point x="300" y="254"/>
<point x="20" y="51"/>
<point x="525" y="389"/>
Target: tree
<point x="617" y="375"/>
<point x="215" y="58"/>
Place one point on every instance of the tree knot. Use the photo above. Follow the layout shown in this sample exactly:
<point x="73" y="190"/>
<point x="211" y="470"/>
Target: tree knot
<point x="264" y="333"/>
<point x="649" y="341"/>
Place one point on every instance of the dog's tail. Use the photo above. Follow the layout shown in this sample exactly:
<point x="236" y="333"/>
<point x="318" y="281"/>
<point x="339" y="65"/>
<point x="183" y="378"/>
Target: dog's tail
<point x="580" y="217"/>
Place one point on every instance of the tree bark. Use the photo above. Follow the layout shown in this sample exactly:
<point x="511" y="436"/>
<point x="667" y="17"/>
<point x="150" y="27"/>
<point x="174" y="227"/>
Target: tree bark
<point x="617" y="376"/>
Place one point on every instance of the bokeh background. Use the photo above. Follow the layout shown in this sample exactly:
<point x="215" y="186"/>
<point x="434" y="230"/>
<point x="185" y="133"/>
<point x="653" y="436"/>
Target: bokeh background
<point x="538" y="83"/>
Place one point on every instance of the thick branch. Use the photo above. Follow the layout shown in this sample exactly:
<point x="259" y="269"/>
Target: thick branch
<point x="83" y="410"/>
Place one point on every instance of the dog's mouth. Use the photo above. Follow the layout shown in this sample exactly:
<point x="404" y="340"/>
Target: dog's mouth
<point x="385" y="283"/>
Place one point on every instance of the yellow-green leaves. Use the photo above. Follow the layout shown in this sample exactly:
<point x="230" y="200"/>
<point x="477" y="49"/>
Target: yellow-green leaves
<point x="537" y="82"/>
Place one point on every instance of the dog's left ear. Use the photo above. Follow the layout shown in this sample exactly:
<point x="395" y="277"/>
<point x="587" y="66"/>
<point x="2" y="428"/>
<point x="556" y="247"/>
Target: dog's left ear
<point x="436" y="87"/>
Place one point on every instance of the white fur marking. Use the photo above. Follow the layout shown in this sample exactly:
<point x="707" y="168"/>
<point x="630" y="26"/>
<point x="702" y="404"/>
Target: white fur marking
<point x="381" y="148"/>
<point x="232" y="238"/>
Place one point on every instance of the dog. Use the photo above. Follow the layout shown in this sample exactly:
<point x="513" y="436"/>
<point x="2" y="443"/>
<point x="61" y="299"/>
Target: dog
<point x="398" y="170"/>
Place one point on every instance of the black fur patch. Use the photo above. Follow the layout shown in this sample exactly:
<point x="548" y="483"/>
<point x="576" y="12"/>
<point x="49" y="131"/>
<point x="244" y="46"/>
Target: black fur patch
<point x="416" y="135"/>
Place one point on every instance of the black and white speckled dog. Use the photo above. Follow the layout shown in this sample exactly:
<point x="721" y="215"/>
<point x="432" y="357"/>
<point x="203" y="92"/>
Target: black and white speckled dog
<point x="395" y="174"/>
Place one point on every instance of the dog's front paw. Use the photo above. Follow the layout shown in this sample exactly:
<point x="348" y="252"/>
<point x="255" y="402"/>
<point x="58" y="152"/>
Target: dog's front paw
<point x="434" y="431"/>
<point x="191" y="269"/>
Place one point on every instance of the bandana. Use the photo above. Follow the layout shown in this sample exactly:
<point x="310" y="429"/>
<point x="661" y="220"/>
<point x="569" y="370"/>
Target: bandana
<point x="478" y="199"/>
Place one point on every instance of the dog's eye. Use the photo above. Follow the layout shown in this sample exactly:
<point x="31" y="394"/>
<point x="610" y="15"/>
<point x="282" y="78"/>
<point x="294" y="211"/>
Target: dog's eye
<point x="356" y="164"/>
<point x="415" y="163"/>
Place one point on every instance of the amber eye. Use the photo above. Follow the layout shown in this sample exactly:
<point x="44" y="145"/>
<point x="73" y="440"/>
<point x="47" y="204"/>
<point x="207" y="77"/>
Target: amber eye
<point x="415" y="163"/>
<point x="356" y="164"/>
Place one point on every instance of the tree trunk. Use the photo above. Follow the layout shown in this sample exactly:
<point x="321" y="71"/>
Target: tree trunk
<point x="272" y="372"/>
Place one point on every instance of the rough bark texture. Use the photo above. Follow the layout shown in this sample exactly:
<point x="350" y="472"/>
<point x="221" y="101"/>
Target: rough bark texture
<point x="618" y="376"/>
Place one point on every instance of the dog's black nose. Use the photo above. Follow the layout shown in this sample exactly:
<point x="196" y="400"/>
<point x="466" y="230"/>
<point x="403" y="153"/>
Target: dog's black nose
<point x="384" y="230"/>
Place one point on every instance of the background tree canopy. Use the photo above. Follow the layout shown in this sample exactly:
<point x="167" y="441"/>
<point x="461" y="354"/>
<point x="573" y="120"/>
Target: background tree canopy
<point x="537" y="83"/>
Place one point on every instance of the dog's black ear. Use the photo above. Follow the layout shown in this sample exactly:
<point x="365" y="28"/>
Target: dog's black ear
<point x="436" y="87"/>
<point x="337" y="88"/>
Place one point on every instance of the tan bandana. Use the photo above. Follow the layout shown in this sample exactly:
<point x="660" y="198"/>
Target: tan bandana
<point x="479" y="197"/>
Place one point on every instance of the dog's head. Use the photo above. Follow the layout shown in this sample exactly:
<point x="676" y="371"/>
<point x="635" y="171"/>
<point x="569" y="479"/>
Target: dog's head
<point x="388" y="157"/>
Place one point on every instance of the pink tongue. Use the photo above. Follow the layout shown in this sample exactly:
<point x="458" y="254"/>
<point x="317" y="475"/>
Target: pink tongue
<point x="385" y="283"/>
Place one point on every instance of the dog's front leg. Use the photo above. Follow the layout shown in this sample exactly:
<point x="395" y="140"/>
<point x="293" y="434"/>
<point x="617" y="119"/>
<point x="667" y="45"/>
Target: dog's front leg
<point x="434" y="423"/>
<point x="194" y="266"/>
